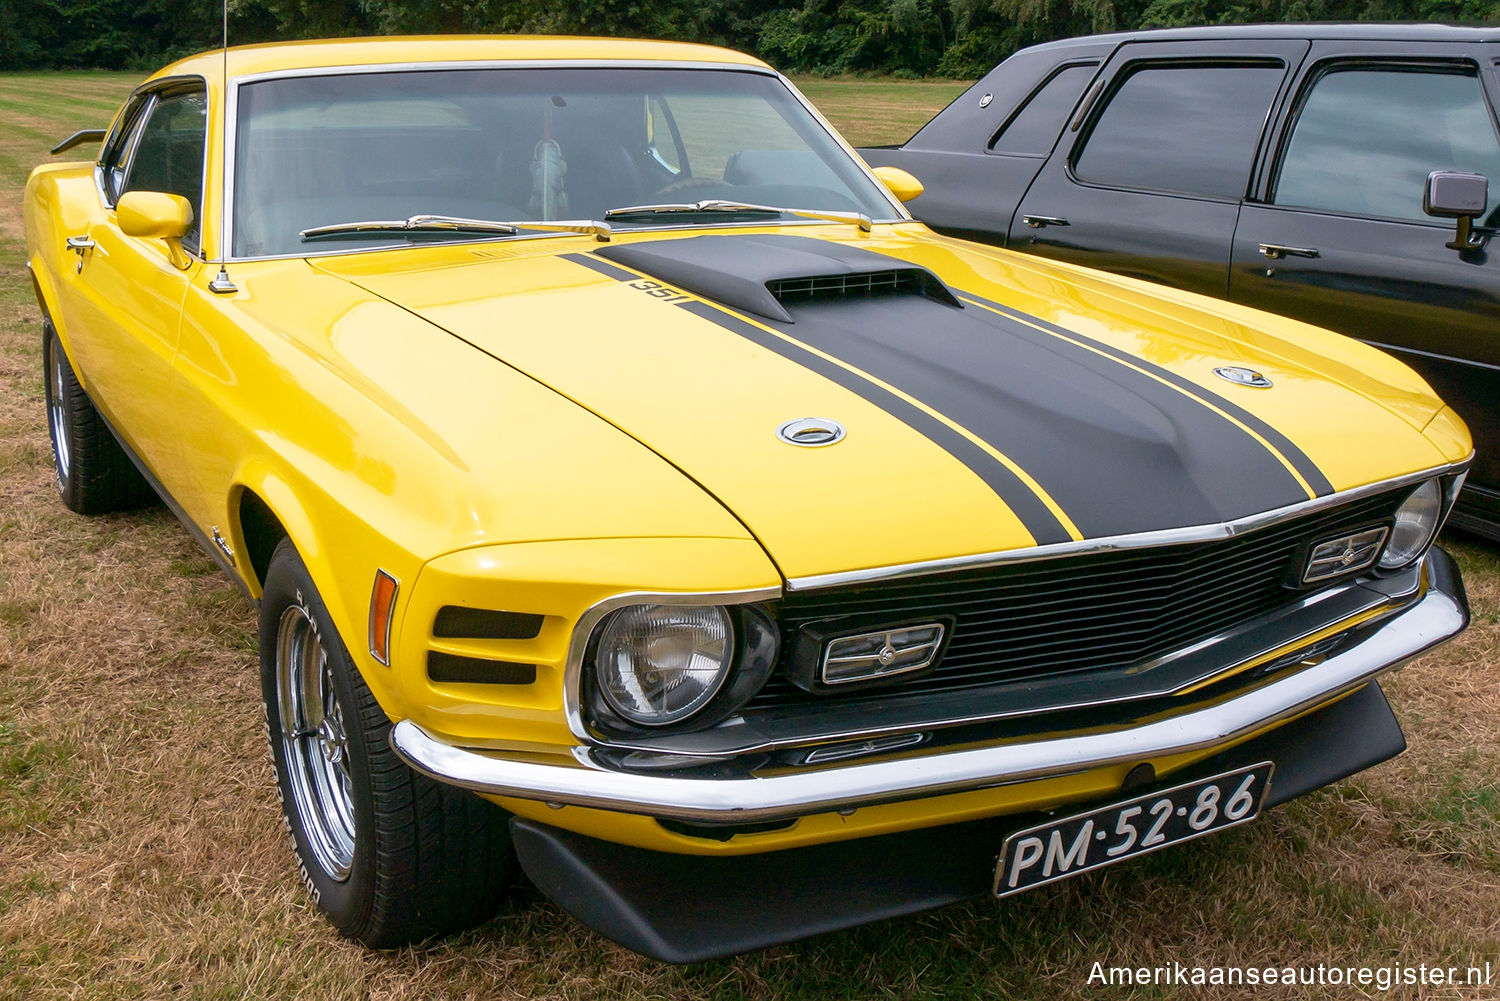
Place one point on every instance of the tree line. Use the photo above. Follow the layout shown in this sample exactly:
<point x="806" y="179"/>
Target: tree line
<point x="953" y="38"/>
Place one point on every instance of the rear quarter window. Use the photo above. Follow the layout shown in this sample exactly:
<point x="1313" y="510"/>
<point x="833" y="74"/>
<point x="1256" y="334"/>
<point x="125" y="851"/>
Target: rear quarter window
<point x="1190" y="128"/>
<point x="1033" y="128"/>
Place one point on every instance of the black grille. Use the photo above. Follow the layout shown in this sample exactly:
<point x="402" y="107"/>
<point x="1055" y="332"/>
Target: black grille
<point x="898" y="281"/>
<point x="1084" y="613"/>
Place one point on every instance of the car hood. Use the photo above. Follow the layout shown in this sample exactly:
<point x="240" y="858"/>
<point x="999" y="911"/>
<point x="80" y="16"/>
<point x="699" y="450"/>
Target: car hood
<point x="988" y="403"/>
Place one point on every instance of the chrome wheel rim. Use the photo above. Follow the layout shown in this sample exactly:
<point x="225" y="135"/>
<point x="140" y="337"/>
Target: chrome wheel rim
<point x="56" y="419"/>
<point x="314" y="744"/>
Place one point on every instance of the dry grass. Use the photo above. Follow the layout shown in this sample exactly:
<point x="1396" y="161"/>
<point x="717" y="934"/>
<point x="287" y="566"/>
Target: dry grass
<point x="141" y="854"/>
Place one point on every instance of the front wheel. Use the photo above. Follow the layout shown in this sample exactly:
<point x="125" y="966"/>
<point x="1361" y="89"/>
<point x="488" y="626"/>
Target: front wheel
<point x="390" y="856"/>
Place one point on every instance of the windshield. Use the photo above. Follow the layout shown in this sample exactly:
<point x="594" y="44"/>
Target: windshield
<point x="523" y="144"/>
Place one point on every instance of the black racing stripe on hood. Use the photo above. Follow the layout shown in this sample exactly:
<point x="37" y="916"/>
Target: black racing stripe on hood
<point x="603" y="267"/>
<point x="1299" y="459"/>
<point x="1115" y="448"/>
<point x="1010" y="488"/>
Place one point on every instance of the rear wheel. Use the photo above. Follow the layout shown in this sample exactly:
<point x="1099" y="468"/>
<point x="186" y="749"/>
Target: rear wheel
<point x="94" y="475"/>
<point x="390" y="856"/>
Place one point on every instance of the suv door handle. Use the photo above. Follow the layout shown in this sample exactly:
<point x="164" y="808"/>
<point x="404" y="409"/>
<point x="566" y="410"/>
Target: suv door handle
<point x="1039" y="221"/>
<point x="1276" y="251"/>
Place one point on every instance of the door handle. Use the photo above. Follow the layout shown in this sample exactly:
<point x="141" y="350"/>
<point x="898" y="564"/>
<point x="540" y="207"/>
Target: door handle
<point x="80" y="245"/>
<point x="1039" y="221"/>
<point x="1276" y="251"/>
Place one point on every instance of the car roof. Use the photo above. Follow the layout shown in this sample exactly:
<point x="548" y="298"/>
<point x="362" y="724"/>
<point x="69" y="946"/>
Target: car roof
<point x="1362" y="31"/>
<point x="251" y="60"/>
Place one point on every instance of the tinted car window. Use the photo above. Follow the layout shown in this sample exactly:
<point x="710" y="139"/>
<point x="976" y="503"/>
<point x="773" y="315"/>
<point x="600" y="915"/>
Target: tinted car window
<point x="169" y="156"/>
<point x="1189" y="128"/>
<point x="1366" y="139"/>
<point x="1032" y="130"/>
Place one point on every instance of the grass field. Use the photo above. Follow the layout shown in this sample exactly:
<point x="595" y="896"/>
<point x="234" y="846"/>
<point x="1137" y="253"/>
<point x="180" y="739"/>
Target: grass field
<point x="141" y="852"/>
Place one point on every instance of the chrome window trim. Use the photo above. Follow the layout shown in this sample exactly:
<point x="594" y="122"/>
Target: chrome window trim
<point x="132" y="141"/>
<point x="232" y="109"/>
<point x="150" y="93"/>
<point x="1141" y="540"/>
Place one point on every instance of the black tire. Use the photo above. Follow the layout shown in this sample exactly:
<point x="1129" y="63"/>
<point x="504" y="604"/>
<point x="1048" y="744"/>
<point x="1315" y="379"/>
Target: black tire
<point x="94" y="475"/>
<point x="421" y="858"/>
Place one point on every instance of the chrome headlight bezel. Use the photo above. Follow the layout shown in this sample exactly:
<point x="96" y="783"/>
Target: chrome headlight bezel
<point x="752" y="651"/>
<point x="1415" y="525"/>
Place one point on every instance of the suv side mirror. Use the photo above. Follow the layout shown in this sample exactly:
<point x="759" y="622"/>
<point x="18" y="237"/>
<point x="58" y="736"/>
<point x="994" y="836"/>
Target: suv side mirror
<point x="1454" y="195"/>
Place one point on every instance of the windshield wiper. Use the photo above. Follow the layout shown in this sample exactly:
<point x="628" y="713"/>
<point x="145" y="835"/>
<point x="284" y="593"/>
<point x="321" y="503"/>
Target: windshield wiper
<point x="719" y="205"/>
<point x="456" y="224"/>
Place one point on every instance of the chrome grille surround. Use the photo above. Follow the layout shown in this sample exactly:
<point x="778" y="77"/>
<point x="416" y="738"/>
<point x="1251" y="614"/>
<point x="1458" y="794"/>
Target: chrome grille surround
<point x="1093" y="612"/>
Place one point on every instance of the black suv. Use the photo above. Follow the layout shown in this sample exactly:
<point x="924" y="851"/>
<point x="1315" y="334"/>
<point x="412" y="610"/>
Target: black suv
<point x="1331" y="173"/>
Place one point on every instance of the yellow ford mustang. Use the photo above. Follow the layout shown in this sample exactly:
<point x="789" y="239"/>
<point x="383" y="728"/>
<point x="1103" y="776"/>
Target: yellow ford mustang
<point x="599" y="436"/>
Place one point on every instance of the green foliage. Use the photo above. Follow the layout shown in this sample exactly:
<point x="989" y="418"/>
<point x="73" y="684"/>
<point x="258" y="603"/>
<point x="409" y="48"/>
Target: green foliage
<point x="955" y="38"/>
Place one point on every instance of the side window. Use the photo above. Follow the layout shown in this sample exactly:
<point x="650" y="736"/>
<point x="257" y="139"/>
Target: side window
<point x="1191" y="128"/>
<point x="169" y="154"/>
<point x="1366" y="138"/>
<point x="116" y="153"/>
<point x="1033" y="129"/>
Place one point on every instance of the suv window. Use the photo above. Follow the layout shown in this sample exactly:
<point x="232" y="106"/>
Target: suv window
<point x="1366" y="139"/>
<point x="1190" y="128"/>
<point x="169" y="155"/>
<point x="1033" y="129"/>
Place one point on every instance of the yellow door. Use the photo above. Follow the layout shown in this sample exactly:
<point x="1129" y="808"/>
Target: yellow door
<point x="122" y="303"/>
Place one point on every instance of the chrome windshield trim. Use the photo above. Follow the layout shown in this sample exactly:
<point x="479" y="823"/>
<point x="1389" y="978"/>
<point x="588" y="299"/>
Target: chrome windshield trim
<point x="581" y="778"/>
<point x="501" y="64"/>
<point x="1142" y="540"/>
<point x="583" y="631"/>
<point x="232" y="109"/>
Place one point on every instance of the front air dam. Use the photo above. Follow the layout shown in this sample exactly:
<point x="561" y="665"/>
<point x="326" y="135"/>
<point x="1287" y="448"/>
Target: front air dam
<point x="689" y="908"/>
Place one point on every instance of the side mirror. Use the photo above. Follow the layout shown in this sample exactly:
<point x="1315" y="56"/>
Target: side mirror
<point x="902" y="185"/>
<point x="1454" y="195"/>
<point x="154" y="215"/>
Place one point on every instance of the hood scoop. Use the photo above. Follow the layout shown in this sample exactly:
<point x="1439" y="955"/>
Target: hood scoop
<point x="764" y="274"/>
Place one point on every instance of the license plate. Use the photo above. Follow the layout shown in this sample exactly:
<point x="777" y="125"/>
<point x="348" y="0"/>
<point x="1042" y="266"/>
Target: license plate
<point x="1062" y="848"/>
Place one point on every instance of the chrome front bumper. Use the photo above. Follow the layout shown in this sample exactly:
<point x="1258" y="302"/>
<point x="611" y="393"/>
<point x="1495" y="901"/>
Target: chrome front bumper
<point x="583" y="779"/>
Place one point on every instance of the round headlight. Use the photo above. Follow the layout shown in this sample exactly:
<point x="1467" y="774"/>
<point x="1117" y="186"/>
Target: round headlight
<point x="1416" y="522"/>
<point x="659" y="664"/>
